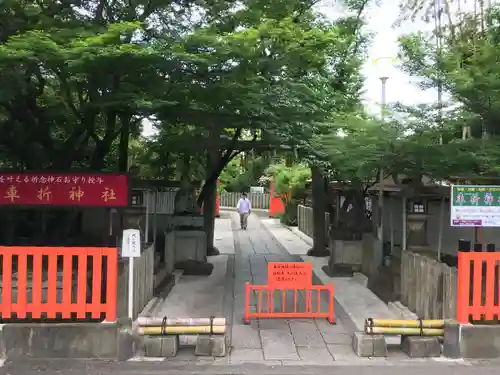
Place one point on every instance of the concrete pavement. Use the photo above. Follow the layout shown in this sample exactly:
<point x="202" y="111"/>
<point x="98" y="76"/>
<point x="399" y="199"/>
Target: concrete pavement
<point x="270" y="342"/>
<point x="276" y="342"/>
<point x="244" y="255"/>
<point x="354" y="302"/>
<point x="74" y="367"/>
<point x="266" y="342"/>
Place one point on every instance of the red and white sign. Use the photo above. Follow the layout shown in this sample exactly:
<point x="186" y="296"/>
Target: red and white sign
<point x="289" y="275"/>
<point x="64" y="189"/>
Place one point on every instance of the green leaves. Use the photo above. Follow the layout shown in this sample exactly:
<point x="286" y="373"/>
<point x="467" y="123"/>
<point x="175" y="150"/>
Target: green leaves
<point x="72" y="74"/>
<point x="356" y="150"/>
<point x="466" y="65"/>
<point x="467" y="68"/>
<point x="290" y="181"/>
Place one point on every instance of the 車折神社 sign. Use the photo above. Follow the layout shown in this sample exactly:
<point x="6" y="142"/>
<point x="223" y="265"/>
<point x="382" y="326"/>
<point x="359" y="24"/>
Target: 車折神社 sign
<point x="289" y="275"/>
<point x="475" y="206"/>
<point x="64" y="189"/>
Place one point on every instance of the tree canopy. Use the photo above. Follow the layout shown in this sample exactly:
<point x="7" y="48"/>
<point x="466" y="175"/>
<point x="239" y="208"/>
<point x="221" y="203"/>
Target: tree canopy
<point x="239" y="85"/>
<point x="79" y="81"/>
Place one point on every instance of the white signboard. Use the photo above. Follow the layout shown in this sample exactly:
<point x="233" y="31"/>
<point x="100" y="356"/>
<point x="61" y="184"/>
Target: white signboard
<point x="475" y="206"/>
<point x="257" y="189"/>
<point x="131" y="243"/>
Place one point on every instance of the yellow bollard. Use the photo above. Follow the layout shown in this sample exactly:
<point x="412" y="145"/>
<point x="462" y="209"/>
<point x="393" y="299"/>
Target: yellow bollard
<point x="152" y="322"/>
<point x="182" y="330"/>
<point x="437" y="323"/>
<point x="404" y="331"/>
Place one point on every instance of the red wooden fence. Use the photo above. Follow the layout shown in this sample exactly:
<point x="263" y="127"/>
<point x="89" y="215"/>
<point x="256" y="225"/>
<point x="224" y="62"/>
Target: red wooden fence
<point x="70" y="301"/>
<point x="478" y="283"/>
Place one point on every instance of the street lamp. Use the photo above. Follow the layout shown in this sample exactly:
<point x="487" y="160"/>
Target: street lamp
<point x="379" y="251"/>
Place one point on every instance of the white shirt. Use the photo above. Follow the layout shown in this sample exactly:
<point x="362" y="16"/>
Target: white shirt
<point x="244" y="206"/>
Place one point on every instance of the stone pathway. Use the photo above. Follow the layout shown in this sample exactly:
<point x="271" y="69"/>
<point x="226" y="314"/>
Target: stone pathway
<point x="202" y="296"/>
<point x="244" y="257"/>
<point x="298" y="342"/>
<point x="223" y="236"/>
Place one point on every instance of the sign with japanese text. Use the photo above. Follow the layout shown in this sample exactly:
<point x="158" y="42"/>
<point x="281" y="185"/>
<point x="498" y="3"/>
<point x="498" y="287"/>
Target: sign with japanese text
<point x="68" y="189"/>
<point x="289" y="275"/>
<point x="475" y="206"/>
<point x="131" y="243"/>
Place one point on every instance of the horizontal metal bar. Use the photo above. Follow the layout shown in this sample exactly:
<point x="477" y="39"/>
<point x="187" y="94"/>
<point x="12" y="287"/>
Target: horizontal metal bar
<point x="309" y="288"/>
<point x="288" y="315"/>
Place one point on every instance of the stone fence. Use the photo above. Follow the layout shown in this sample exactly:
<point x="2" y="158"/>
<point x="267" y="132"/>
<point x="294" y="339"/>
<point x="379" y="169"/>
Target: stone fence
<point x="305" y="220"/>
<point x="144" y="280"/>
<point x="230" y="199"/>
<point x="428" y="287"/>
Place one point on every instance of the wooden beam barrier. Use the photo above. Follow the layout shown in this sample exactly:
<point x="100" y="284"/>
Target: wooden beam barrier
<point x="182" y="330"/>
<point x="167" y="322"/>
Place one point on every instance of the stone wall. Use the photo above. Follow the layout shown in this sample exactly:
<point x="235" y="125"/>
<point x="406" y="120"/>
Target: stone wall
<point x="428" y="287"/>
<point x="305" y="220"/>
<point x="369" y="242"/>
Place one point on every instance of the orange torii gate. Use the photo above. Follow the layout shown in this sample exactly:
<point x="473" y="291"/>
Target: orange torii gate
<point x="276" y="205"/>
<point x="217" y="200"/>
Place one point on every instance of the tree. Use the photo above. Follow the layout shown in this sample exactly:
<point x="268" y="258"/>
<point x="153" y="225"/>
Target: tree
<point x="73" y="82"/>
<point x="270" y="71"/>
<point x="465" y="65"/>
<point x="354" y="156"/>
<point x="78" y="78"/>
<point x="290" y="182"/>
<point x="243" y="172"/>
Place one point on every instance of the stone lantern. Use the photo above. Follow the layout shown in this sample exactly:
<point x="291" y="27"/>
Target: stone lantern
<point x="416" y="219"/>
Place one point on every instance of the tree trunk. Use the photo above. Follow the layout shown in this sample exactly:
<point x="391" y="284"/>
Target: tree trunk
<point x="360" y="207"/>
<point x="210" y="188"/>
<point x="209" y="217"/>
<point x="123" y="145"/>
<point x="185" y="167"/>
<point x="123" y="160"/>
<point x="319" y="200"/>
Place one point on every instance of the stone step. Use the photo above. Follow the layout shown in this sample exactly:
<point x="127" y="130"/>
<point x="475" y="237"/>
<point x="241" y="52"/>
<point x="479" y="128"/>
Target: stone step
<point x="355" y="303"/>
<point x="167" y="346"/>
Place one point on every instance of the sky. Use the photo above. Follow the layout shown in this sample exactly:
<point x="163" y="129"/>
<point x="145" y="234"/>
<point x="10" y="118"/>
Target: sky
<point x="382" y="57"/>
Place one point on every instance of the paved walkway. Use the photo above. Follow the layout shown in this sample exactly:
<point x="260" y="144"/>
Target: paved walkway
<point x="277" y="341"/>
<point x="244" y="257"/>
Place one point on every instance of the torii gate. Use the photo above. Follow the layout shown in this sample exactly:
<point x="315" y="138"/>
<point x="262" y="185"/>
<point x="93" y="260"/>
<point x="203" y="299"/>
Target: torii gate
<point x="217" y="200"/>
<point x="276" y="206"/>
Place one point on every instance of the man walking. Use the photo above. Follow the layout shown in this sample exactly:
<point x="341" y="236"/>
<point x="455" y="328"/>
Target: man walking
<point x="244" y="208"/>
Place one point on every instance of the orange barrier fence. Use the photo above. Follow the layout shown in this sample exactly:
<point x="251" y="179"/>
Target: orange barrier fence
<point x="283" y="278"/>
<point x="32" y="282"/>
<point x="311" y="310"/>
<point x="478" y="283"/>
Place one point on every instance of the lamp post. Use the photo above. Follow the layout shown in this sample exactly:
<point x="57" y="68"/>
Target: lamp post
<point x="379" y="250"/>
<point x="380" y="227"/>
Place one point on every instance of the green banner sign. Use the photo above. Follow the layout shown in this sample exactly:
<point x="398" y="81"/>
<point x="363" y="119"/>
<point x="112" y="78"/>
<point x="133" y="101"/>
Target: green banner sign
<point x="476" y="195"/>
<point x="475" y="206"/>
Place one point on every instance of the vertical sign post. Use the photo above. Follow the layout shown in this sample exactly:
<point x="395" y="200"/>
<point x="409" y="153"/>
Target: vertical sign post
<point x="147" y="197"/>
<point x="131" y="248"/>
